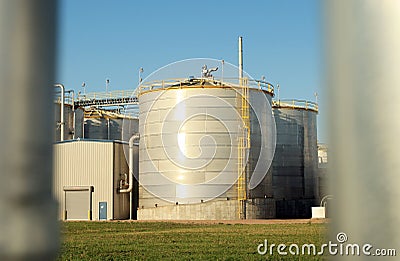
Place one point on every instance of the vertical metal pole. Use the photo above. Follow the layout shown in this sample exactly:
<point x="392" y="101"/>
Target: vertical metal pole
<point x="84" y="89"/>
<point x="74" y="114"/>
<point x="363" y="84"/>
<point x="108" y="128"/>
<point x="83" y="125"/>
<point x="240" y="60"/>
<point x="222" y="70"/>
<point x="28" y="219"/>
<point x="62" y="105"/>
<point x="107" y="82"/>
<point x="279" y="98"/>
<point x="140" y="75"/>
<point x="130" y="203"/>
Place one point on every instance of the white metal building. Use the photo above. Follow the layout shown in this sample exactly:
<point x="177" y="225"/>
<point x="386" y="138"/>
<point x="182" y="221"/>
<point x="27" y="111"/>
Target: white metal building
<point x="88" y="176"/>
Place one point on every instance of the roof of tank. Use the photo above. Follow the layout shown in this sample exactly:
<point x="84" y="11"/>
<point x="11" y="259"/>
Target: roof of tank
<point x="91" y="140"/>
<point x="209" y="82"/>
<point x="295" y="104"/>
<point x="101" y="113"/>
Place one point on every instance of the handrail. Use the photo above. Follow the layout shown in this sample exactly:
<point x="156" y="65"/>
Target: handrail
<point x="105" y="95"/>
<point x="173" y="83"/>
<point x="99" y="113"/>
<point x="184" y="82"/>
<point x="295" y="104"/>
<point x="68" y="98"/>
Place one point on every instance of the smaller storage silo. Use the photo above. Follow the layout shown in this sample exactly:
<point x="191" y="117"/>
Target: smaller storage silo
<point x="295" y="164"/>
<point x="108" y="125"/>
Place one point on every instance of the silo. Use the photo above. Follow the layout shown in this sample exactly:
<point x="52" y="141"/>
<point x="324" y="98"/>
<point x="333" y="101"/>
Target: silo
<point x="190" y="150"/>
<point x="106" y="125"/>
<point x="73" y="120"/>
<point x="295" y="164"/>
<point x="96" y="128"/>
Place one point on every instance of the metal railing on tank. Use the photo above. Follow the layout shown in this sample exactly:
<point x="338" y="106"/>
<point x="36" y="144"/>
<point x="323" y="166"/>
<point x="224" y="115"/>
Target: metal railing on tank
<point x="177" y="83"/>
<point x="112" y="98"/>
<point x="68" y="97"/>
<point x="296" y="104"/>
<point x="105" y="95"/>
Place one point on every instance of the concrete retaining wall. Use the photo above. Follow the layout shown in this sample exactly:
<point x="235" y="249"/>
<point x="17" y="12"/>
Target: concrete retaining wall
<point x="215" y="210"/>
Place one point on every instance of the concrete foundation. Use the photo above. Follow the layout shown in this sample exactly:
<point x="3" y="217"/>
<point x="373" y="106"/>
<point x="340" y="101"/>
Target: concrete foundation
<point x="214" y="210"/>
<point x="224" y="210"/>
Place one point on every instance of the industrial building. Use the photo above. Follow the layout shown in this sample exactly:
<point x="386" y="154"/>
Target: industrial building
<point x="91" y="173"/>
<point x="205" y="148"/>
<point x="88" y="178"/>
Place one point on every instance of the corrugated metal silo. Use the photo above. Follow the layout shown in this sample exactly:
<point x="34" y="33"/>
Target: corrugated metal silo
<point x="295" y="162"/>
<point x="105" y="125"/>
<point x="189" y="135"/>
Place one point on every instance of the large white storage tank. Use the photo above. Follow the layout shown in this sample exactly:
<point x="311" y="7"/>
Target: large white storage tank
<point x="190" y="151"/>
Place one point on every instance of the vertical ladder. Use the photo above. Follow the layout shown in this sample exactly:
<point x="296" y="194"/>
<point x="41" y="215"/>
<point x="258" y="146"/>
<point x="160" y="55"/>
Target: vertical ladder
<point x="243" y="147"/>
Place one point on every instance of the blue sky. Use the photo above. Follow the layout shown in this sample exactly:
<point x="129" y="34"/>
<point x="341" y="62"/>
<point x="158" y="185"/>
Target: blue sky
<point x="101" y="40"/>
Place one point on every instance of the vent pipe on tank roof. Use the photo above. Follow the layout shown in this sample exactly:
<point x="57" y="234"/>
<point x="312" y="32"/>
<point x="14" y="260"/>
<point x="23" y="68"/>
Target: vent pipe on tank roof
<point x="240" y="60"/>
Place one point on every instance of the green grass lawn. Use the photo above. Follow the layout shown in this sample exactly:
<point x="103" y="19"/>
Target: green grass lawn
<point x="180" y="241"/>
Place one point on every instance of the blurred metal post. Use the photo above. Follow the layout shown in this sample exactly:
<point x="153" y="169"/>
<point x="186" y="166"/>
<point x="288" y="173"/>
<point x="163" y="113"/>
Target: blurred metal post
<point x="28" y="213"/>
<point x="363" y="54"/>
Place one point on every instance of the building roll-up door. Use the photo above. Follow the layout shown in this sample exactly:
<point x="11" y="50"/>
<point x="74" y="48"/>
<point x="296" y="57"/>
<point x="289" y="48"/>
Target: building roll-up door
<point x="78" y="203"/>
